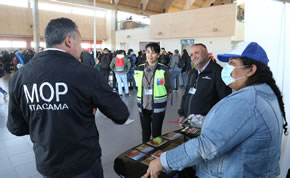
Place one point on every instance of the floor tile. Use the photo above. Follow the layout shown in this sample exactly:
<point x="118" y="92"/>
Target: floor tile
<point x="22" y="159"/>
<point x="27" y="170"/>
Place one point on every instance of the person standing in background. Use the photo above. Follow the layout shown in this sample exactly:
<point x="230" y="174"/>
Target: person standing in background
<point x="132" y="59"/>
<point x="175" y="70"/>
<point x="186" y="59"/>
<point x="120" y="66"/>
<point x="104" y="62"/>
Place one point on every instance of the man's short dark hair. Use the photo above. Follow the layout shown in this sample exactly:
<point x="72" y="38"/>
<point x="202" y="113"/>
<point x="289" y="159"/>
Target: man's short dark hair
<point x="129" y="51"/>
<point x="176" y="51"/>
<point x="154" y="47"/>
<point x="163" y="49"/>
<point x="57" y="30"/>
<point x="106" y="49"/>
<point x="200" y="44"/>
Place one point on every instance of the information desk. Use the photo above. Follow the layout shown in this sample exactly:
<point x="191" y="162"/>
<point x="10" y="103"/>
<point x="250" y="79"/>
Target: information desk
<point x="134" y="162"/>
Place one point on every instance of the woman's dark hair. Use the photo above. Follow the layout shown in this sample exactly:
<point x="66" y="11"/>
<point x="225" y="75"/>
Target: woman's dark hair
<point x="154" y="47"/>
<point x="264" y="75"/>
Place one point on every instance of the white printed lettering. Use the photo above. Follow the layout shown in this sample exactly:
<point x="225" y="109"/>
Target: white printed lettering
<point x="58" y="92"/>
<point x="41" y="91"/>
<point x="33" y="93"/>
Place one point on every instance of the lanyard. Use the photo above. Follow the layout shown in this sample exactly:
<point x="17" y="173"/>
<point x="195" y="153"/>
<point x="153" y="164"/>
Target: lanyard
<point x="148" y="81"/>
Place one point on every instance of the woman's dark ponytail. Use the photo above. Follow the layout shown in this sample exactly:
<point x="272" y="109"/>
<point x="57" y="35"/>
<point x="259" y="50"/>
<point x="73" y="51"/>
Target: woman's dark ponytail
<point x="264" y="75"/>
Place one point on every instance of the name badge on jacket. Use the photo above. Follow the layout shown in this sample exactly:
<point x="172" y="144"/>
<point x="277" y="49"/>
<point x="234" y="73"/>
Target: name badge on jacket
<point x="148" y="91"/>
<point x="192" y="91"/>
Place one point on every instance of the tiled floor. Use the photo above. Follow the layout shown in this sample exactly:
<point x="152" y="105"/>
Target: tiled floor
<point x="17" y="157"/>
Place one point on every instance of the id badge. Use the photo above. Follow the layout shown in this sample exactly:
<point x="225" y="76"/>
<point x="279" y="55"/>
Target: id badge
<point x="148" y="91"/>
<point x="192" y="91"/>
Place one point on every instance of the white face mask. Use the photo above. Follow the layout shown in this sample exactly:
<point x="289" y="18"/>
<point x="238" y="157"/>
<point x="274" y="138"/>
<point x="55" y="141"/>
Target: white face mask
<point x="227" y="74"/>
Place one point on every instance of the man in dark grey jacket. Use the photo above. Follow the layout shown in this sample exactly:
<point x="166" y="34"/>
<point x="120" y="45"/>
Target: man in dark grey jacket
<point x="205" y="87"/>
<point x="53" y="97"/>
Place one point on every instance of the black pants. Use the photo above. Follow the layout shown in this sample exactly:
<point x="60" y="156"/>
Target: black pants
<point x="114" y="81"/>
<point x="96" y="171"/>
<point x="106" y="74"/>
<point x="148" y="122"/>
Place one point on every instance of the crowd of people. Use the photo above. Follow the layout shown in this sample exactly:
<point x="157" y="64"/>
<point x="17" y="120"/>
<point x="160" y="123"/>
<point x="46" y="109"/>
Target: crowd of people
<point x="105" y="62"/>
<point x="243" y="107"/>
<point x="11" y="60"/>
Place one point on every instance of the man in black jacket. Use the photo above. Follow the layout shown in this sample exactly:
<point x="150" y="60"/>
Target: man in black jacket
<point x="205" y="87"/>
<point x="52" y="98"/>
<point x="105" y="61"/>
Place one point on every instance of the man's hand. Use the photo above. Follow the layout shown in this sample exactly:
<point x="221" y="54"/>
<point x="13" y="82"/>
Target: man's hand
<point x="94" y="111"/>
<point x="181" y="118"/>
<point x="154" y="169"/>
<point x="97" y="61"/>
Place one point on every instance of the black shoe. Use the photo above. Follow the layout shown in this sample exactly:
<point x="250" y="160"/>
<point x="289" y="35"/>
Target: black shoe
<point x="127" y="94"/>
<point x="120" y="94"/>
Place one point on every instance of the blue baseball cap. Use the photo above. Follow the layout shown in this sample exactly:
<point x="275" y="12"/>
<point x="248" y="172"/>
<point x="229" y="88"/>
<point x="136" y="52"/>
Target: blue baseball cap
<point x="250" y="50"/>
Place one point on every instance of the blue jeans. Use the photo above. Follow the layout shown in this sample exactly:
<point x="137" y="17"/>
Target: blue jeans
<point x="122" y="78"/>
<point x="131" y="74"/>
<point x="3" y="91"/>
<point x="96" y="171"/>
<point x="184" y="78"/>
<point x="175" y="79"/>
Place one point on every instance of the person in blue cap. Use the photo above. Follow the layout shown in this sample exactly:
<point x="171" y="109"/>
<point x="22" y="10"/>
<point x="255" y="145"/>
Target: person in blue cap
<point x="241" y="135"/>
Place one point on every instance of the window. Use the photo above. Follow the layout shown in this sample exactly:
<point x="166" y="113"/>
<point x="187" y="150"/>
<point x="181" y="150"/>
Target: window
<point x="5" y="44"/>
<point x="18" y="44"/>
<point x="98" y="46"/>
<point x="41" y="44"/>
<point x="86" y="45"/>
<point x="12" y="44"/>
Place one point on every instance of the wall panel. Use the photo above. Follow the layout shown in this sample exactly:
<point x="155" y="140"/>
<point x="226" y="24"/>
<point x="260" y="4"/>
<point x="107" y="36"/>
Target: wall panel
<point x="203" y="22"/>
<point x="18" y="22"/>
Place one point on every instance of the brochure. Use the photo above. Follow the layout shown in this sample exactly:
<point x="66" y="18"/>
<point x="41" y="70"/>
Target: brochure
<point x="135" y="155"/>
<point x="172" y="135"/>
<point x="144" y="148"/>
<point x="156" y="142"/>
<point x="171" y="146"/>
<point x="147" y="160"/>
<point x="157" y="154"/>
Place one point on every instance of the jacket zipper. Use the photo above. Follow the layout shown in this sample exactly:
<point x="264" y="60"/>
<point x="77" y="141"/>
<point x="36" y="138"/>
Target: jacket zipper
<point x="190" y="98"/>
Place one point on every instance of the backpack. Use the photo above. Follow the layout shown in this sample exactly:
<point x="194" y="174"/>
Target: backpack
<point x="105" y="61"/>
<point x="181" y="63"/>
<point x="119" y="65"/>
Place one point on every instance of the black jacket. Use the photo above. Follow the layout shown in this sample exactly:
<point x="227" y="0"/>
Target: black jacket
<point x="52" y="99"/>
<point x="105" y="61"/>
<point x="210" y="89"/>
<point x="88" y="59"/>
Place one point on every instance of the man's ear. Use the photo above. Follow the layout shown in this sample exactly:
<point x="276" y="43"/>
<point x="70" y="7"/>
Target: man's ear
<point x="67" y="41"/>
<point x="252" y="70"/>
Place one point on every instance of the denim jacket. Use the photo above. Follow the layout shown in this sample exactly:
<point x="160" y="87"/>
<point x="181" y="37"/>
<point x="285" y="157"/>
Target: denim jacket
<point x="241" y="137"/>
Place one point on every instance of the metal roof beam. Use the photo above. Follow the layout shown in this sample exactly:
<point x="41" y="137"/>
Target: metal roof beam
<point x="143" y="4"/>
